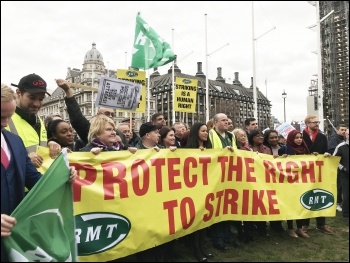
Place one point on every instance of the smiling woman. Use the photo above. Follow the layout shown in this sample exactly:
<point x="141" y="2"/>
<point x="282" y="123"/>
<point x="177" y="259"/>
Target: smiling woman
<point x="61" y="132"/>
<point x="102" y="136"/>
<point x="167" y="136"/>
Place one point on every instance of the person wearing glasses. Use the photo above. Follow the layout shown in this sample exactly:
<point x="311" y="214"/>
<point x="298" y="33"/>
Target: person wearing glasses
<point x="78" y="121"/>
<point x="316" y="141"/>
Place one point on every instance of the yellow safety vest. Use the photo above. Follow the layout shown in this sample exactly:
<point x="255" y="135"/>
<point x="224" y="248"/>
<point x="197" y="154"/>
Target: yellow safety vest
<point x="23" y="129"/>
<point x="216" y="142"/>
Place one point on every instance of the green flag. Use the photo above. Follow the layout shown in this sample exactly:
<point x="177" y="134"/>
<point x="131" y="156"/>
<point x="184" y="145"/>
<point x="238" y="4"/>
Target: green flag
<point x="150" y="50"/>
<point x="45" y="220"/>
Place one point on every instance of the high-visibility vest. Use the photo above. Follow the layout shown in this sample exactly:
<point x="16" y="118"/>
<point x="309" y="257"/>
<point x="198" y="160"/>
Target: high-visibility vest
<point x="216" y="141"/>
<point x="28" y="134"/>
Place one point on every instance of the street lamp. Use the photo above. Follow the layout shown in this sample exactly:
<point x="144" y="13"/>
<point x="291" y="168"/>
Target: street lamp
<point x="284" y="96"/>
<point x="255" y="94"/>
<point x="207" y="105"/>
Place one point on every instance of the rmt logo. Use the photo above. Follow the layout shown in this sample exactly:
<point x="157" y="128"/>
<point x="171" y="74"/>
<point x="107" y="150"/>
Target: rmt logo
<point x="317" y="199"/>
<point x="98" y="232"/>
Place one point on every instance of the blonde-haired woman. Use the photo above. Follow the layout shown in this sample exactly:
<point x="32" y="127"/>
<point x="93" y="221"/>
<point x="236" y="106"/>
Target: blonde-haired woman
<point x="102" y="136"/>
<point x="241" y="137"/>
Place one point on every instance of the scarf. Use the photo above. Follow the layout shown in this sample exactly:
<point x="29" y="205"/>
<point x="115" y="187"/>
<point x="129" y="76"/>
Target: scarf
<point x="115" y="147"/>
<point x="298" y="149"/>
<point x="314" y="135"/>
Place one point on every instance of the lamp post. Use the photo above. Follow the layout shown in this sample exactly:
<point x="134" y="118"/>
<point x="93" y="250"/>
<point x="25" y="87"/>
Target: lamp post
<point x="255" y="94"/>
<point x="207" y="104"/>
<point x="284" y="96"/>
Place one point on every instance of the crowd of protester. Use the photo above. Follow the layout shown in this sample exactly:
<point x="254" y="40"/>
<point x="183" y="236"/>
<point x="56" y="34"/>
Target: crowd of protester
<point x="101" y="133"/>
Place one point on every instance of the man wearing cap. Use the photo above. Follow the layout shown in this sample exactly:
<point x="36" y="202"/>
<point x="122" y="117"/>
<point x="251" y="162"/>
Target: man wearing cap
<point x="26" y="123"/>
<point x="79" y="122"/>
<point x="149" y="134"/>
<point x="135" y="139"/>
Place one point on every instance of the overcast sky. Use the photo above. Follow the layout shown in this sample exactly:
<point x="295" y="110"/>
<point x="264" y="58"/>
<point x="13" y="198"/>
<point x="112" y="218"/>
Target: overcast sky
<point x="48" y="37"/>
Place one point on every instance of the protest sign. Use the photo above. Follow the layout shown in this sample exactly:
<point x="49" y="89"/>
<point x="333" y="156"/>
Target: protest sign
<point x="118" y="94"/>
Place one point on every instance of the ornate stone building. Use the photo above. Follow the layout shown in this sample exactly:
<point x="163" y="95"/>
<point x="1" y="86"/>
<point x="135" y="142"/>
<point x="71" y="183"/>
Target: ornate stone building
<point x="234" y="98"/>
<point x="93" y="69"/>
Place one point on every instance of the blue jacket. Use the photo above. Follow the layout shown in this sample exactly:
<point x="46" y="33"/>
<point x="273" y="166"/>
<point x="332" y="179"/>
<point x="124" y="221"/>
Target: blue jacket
<point x="26" y="173"/>
<point x="285" y="149"/>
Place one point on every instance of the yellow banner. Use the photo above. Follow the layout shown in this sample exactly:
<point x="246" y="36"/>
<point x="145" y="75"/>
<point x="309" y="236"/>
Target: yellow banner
<point x="185" y="94"/>
<point x="125" y="203"/>
<point x="136" y="77"/>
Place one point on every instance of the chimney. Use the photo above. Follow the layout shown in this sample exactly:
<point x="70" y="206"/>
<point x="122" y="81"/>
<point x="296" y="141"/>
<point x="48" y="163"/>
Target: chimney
<point x="176" y="69"/>
<point x="199" y="67"/>
<point x="219" y="77"/>
<point x="199" y="70"/>
<point x="219" y="72"/>
<point x="236" y="80"/>
<point x="236" y="77"/>
<point x="251" y="82"/>
<point x="155" y="73"/>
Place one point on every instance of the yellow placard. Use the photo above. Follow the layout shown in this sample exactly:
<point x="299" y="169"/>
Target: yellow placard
<point x="185" y="94"/>
<point x="160" y="196"/>
<point x="136" y="77"/>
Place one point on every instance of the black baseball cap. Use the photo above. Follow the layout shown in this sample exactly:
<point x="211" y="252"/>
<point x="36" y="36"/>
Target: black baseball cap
<point x="147" y="127"/>
<point x="32" y="83"/>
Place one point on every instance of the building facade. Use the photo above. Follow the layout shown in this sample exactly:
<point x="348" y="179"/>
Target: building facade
<point x="93" y="69"/>
<point x="335" y="62"/>
<point x="231" y="98"/>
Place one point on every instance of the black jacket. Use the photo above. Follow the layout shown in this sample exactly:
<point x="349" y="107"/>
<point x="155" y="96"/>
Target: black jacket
<point x="342" y="150"/>
<point x="334" y="141"/>
<point x="134" y="140"/>
<point x="80" y="124"/>
<point x="320" y="144"/>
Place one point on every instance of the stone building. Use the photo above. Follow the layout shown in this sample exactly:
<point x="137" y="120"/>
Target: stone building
<point x="93" y="69"/>
<point x="234" y="98"/>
